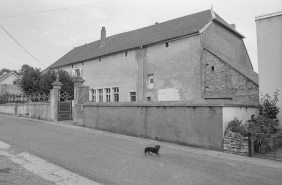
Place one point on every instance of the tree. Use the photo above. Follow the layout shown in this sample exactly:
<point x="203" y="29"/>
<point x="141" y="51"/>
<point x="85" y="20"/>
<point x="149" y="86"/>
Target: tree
<point x="35" y="81"/>
<point x="7" y="71"/>
<point x="46" y="80"/>
<point x="29" y="82"/>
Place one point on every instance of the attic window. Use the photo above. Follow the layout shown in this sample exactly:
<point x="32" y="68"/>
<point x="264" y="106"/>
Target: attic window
<point x="212" y="68"/>
<point x="166" y="45"/>
<point x="100" y="59"/>
<point x="125" y="54"/>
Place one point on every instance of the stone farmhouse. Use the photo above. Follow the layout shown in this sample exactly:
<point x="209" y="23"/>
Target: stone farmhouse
<point x="192" y="58"/>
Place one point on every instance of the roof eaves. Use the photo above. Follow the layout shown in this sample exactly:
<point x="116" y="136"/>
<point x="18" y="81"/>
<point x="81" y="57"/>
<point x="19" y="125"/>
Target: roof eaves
<point x="229" y="28"/>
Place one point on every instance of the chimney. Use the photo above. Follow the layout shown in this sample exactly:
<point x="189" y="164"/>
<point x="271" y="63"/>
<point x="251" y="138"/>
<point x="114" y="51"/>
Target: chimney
<point x="233" y="26"/>
<point x="103" y="36"/>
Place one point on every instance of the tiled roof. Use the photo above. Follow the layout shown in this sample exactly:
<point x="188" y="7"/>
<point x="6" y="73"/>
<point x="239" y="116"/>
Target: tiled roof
<point x="187" y="25"/>
<point x="250" y="74"/>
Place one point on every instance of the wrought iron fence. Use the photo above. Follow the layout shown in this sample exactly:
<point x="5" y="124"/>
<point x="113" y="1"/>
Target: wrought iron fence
<point x="267" y="145"/>
<point x="65" y="97"/>
<point x="24" y="98"/>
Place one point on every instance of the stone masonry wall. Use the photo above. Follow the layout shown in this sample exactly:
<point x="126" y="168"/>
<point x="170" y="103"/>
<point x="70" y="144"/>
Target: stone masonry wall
<point x="235" y="143"/>
<point x="222" y="81"/>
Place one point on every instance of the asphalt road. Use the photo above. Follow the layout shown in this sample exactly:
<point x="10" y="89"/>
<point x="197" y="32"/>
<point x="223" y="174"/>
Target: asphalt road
<point x="113" y="159"/>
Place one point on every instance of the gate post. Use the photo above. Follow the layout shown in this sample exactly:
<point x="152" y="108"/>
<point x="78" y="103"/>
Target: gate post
<point x="54" y="99"/>
<point x="81" y="95"/>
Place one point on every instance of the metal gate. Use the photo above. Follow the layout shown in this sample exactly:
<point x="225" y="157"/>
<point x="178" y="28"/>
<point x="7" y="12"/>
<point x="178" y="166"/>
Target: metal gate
<point x="267" y="145"/>
<point x="64" y="106"/>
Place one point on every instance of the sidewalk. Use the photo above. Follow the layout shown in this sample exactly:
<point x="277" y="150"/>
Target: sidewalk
<point x="253" y="160"/>
<point x="12" y="173"/>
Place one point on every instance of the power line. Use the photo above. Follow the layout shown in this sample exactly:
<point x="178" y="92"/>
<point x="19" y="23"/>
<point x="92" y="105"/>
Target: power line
<point x="56" y="9"/>
<point x="20" y="45"/>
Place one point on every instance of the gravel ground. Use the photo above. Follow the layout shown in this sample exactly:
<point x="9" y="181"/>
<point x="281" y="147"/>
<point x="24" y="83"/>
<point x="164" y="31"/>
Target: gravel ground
<point x="14" y="174"/>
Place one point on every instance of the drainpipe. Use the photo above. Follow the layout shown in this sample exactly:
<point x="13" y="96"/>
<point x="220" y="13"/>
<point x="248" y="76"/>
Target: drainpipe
<point x="142" y="74"/>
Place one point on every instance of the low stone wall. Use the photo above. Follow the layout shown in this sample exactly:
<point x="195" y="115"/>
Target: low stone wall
<point x="180" y="123"/>
<point x="275" y="141"/>
<point x="8" y="108"/>
<point x="32" y="110"/>
<point x="235" y="143"/>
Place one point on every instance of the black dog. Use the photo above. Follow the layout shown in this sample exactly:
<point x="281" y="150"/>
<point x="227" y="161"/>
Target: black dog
<point x="153" y="150"/>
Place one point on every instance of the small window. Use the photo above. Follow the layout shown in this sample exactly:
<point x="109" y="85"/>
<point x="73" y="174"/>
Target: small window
<point x="151" y="81"/>
<point x="108" y="94"/>
<point x="148" y="98"/>
<point x="71" y="66"/>
<point x="100" y="59"/>
<point x="132" y="96"/>
<point x="116" y="94"/>
<point x="100" y="94"/>
<point x="212" y="68"/>
<point x="77" y="72"/>
<point x="125" y="54"/>
<point x="14" y="83"/>
<point x="82" y="63"/>
<point x="166" y="44"/>
<point x="94" y="95"/>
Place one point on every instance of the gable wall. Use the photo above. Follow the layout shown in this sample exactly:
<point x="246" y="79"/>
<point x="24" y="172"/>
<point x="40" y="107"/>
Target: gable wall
<point x="226" y="82"/>
<point x="221" y="40"/>
<point x="9" y="79"/>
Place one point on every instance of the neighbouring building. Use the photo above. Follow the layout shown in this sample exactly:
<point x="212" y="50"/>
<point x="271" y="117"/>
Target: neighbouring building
<point x="8" y="83"/>
<point x="269" y="44"/>
<point x="191" y="58"/>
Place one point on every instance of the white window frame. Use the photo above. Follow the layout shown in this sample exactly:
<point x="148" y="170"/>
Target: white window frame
<point x="132" y="95"/>
<point x="151" y="81"/>
<point x="115" y="94"/>
<point x="108" y="94"/>
<point x="100" y="95"/>
<point x="94" y="95"/>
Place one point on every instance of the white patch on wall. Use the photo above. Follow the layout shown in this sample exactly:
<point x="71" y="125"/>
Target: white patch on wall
<point x="169" y="94"/>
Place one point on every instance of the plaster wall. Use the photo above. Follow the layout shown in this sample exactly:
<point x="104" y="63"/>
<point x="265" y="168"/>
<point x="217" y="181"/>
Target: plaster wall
<point x="174" y="68"/>
<point x="242" y="113"/>
<point x="221" y="40"/>
<point x="35" y="110"/>
<point x="9" y="79"/>
<point x="188" y="125"/>
<point x="269" y="44"/>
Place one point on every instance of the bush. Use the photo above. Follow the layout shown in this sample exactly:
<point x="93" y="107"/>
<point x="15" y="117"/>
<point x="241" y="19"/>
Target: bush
<point x="268" y="107"/>
<point x="237" y="127"/>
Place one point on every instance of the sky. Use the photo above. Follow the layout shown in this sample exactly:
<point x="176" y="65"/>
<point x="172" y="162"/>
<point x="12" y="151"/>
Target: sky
<point x="62" y="25"/>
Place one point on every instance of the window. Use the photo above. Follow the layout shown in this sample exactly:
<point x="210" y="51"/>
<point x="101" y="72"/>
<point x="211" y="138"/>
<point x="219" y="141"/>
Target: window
<point x="77" y="72"/>
<point x="14" y="83"/>
<point x="94" y="95"/>
<point x="132" y="96"/>
<point x="108" y="94"/>
<point x="166" y="45"/>
<point x="71" y="66"/>
<point x="100" y="94"/>
<point x="100" y="59"/>
<point x="82" y="63"/>
<point x="212" y="68"/>
<point x="116" y="94"/>
<point x="125" y="54"/>
<point x="148" y="98"/>
<point x="151" y="81"/>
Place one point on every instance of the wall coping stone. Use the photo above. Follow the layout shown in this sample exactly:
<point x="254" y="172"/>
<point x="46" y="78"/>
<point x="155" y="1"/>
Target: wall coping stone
<point x="204" y="103"/>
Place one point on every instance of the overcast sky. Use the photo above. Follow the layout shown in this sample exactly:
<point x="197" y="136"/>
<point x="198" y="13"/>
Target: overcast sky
<point x="50" y="35"/>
